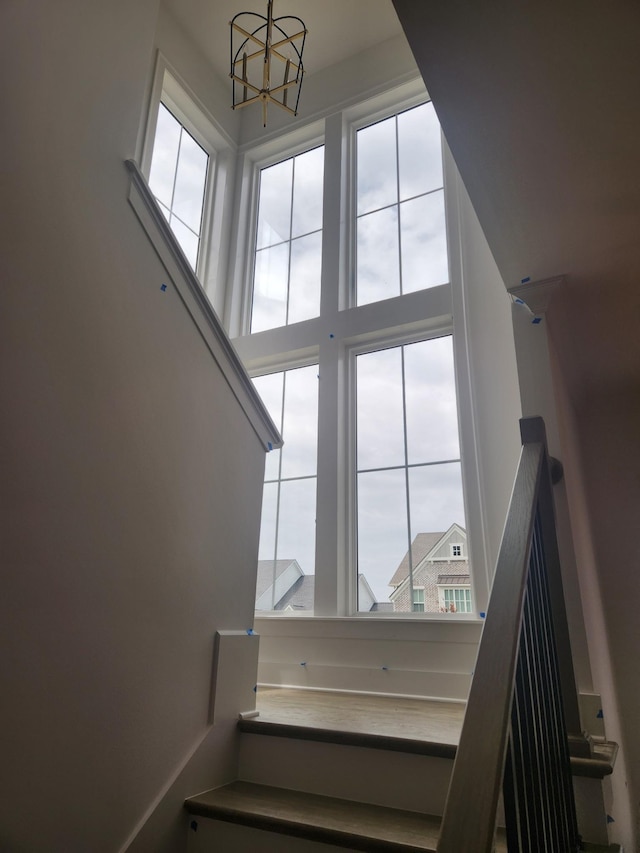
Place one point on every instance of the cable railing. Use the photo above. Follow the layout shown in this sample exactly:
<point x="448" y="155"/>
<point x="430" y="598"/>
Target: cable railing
<point x="522" y="719"/>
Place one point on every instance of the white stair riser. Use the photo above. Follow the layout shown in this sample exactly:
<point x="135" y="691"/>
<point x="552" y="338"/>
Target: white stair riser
<point x="399" y="780"/>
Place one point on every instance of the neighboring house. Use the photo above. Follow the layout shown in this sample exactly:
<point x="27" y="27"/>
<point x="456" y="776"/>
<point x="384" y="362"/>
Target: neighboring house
<point x="440" y="570"/>
<point x="294" y="590"/>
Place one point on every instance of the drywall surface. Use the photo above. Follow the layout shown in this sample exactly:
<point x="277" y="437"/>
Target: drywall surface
<point x="131" y="482"/>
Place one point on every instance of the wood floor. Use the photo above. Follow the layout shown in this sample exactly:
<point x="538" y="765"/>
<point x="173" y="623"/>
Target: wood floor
<point x="387" y="716"/>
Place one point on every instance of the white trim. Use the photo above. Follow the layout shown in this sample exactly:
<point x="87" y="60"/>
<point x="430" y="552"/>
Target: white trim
<point x="198" y="306"/>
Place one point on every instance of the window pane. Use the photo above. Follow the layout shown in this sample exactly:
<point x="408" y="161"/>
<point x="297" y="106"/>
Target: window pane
<point x="165" y="156"/>
<point x="424" y="242"/>
<point x="270" y="288"/>
<point x="300" y="426"/>
<point x="432" y="416"/>
<point x="380" y="427"/>
<point x="274" y="210"/>
<point x="307" y="192"/>
<point x="382" y="527"/>
<point x="419" y="151"/>
<point x="436" y="500"/>
<point x="378" y="273"/>
<point x="304" y="278"/>
<point x="190" y="182"/>
<point x="270" y="388"/>
<point x="188" y="240"/>
<point x="377" y="171"/>
<point x="297" y="523"/>
<point x="267" y="549"/>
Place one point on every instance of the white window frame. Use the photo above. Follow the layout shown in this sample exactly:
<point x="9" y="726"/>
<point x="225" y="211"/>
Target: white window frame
<point x="442" y="588"/>
<point x="343" y="329"/>
<point x="458" y="556"/>
<point x="168" y="87"/>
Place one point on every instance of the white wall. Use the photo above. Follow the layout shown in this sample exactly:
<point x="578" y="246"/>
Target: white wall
<point x="120" y="556"/>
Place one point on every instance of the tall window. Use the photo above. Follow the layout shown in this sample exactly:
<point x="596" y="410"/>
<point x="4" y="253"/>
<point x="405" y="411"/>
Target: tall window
<point x="178" y="178"/>
<point x="287" y="537"/>
<point x="288" y="257"/>
<point x="382" y="399"/>
<point x="401" y="226"/>
<point x="409" y="477"/>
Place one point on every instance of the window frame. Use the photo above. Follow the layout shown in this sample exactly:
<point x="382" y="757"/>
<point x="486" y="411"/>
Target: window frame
<point x="361" y="328"/>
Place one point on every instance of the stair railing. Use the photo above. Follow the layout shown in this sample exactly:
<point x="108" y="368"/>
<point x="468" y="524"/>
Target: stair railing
<point x="522" y="717"/>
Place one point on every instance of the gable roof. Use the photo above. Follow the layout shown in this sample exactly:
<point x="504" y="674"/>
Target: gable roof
<point x="265" y="574"/>
<point x="420" y="547"/>
<point x="299" y="596"/>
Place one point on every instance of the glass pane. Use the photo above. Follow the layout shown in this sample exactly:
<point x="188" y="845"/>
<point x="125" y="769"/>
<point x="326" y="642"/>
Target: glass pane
<point x="191" y="177"/>
<point x="188" y="240"/>
<point x="380" y="426"/>
<point x="377" y="171"/>
<point x="424" y="242"/>
<point x="300" y="427"/>
<point x="297" y="523"/>
<point x="430" y="395"/>
<point x="436" y="499"/>
<point x="267" y="548"/>
<point x="270" y="288"/>
<point x="270" y="388"/>
<point x="378" y="274"/>
<point x="165" y="156"/>
<point x="382" y="528"/>
<point x="419" y="151"/>
<point x="304" y="281"/>
<point x="307" y="192"/>
<point x="274" y="210"/>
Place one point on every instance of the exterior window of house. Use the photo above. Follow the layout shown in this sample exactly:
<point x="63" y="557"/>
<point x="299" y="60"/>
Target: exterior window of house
<point x="401" y="225"/>
<point x="456" y="550"/>
<point x="178" y="178"/>
<point x="457" y="600"/>
<point x="409" y="477"/>
<point x="288" y="256"/>
<point x="315" y="281"/>
<point x="287" y="536"/>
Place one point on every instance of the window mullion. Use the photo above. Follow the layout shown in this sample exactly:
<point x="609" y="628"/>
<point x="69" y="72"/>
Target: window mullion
<point x="406" y="474"/>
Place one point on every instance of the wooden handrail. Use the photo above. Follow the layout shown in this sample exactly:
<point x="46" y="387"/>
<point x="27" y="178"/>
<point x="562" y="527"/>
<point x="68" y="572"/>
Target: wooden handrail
<point x="470" y="814"/>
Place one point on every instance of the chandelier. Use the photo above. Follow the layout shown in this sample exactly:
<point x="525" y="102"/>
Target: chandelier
<point x="266" y="62"/>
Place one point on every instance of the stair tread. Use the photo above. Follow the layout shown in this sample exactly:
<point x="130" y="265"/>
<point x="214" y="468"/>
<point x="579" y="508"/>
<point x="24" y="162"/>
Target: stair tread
<point x="359" y="826"/>
<point x="417" y="726"/>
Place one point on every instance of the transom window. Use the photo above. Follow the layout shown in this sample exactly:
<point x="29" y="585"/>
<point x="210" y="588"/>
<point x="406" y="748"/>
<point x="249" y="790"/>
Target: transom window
<point x="401" y="224"/>
<point x="178" y="179"/>
<point x="288" y="256"/>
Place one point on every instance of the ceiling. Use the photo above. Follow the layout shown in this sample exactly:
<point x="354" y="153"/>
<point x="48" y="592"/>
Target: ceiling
<point x="336" y="28"/>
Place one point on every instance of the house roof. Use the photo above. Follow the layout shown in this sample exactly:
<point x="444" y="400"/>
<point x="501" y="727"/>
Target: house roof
<point x="299" y="596"/>
<point x="265" y="574"/>
<point x="420" y="547"/>
<point x="453" y="580"/>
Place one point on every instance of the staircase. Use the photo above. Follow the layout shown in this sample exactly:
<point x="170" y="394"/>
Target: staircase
<point x="322" y="770"/>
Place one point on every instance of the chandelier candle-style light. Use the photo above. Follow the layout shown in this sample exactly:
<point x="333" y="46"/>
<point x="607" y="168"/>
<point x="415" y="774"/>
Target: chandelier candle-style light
<point x="266" y="62"/>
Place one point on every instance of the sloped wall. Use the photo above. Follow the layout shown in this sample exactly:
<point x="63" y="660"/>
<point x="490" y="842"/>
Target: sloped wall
<point x="130" y="480"/>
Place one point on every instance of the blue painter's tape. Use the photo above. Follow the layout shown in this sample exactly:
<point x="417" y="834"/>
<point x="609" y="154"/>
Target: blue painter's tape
<point x="610" y="819"/>
<point x="255" y="688"/>
<point x="269" y="445"/>
<point x="332" y="335"/>
<point x="163" y="287"/>
<point x="600" y="715"/>
<point x="483" y="615"/>
<point x="525" y="280"/>
<point x="384" y="668"/>
<point x="303" y="663"/>
<point x="250" y="632"/>
<point x="194" y="825"/>
<point x="518" y="301"/>
<point x="536" y="320"/>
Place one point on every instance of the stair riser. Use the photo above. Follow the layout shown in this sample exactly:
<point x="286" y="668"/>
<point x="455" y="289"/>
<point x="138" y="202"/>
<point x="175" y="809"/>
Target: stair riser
<point x="217" y="836"/>
<point x="399" y="780"/>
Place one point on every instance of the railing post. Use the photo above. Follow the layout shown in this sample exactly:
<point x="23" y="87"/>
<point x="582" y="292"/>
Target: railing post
<point x="533" y="430"/>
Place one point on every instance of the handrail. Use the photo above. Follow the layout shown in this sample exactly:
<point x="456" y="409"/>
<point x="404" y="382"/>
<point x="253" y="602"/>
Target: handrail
<point x="512" y="639"/>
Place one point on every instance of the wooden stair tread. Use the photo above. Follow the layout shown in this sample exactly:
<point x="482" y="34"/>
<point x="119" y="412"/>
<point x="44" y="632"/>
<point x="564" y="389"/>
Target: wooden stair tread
<point x="358" y="826"/>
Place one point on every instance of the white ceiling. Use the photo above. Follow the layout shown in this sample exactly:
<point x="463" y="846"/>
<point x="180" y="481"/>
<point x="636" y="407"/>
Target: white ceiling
<point x="336" y="28"/>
